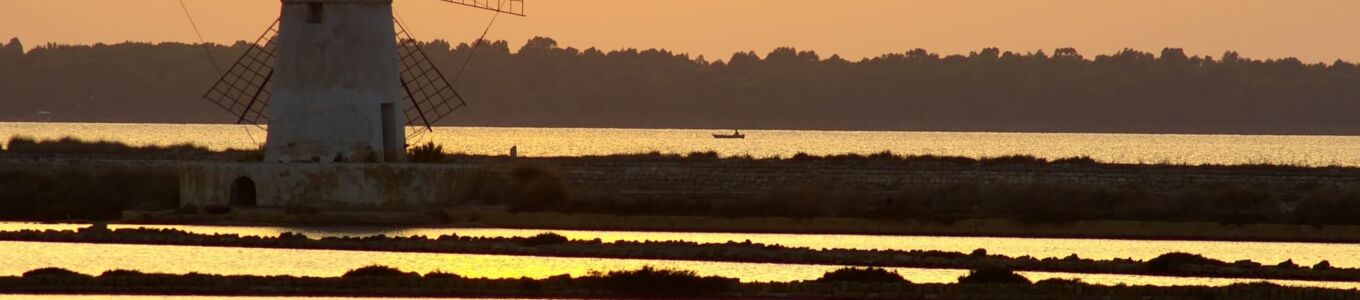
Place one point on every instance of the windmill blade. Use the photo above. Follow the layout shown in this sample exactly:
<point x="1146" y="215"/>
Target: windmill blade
<point x="429" y="95"/>
<point x="513" y="7"/>
<point x="244" y="90"/>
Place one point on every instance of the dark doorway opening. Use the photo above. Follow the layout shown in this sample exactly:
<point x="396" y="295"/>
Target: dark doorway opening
<point x="243" y="192"/>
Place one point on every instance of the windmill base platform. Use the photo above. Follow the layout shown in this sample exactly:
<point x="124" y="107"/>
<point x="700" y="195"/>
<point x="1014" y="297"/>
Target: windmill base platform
<point x="349" y="185"/>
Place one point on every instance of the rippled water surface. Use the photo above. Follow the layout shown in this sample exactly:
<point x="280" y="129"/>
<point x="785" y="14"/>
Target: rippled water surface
<point x="1124" y="148"/>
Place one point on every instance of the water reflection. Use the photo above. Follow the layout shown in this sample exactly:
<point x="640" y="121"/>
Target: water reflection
<point x="1339" y="255"/>
<point x="96" y="258"/>
<point x="1122" y="148"/>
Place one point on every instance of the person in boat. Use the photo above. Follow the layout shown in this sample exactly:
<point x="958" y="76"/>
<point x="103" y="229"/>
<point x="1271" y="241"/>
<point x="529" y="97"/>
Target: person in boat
<point x="736" y="132"/>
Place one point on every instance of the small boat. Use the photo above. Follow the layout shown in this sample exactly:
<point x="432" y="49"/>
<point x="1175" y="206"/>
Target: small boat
<point x="735" y="135"/>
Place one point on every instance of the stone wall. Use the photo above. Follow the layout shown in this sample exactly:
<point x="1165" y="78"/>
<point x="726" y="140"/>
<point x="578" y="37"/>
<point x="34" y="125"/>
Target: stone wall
<point x="317" y="185"/>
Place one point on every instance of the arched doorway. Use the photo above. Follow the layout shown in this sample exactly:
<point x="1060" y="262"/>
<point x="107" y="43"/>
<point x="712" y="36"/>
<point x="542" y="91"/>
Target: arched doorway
<point x="243" y="192"/>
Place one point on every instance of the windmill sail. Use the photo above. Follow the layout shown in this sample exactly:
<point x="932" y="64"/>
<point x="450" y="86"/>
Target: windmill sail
<point x="429" y="95"/>
<point x="244" y="89"/>
<point x="513" y="7"/>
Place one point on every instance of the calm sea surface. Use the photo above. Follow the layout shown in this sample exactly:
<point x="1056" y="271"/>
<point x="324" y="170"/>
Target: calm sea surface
<point x="1123" y="148"/>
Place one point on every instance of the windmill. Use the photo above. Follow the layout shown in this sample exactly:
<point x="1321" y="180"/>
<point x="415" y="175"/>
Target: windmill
<point x="340" y="80"/>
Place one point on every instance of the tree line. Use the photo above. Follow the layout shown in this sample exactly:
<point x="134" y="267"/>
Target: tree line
<point x="544" y="84"/>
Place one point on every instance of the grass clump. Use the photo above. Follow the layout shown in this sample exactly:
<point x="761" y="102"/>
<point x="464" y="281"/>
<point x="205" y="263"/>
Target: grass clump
<point x="427" y="153"/>
<point x="878" y="275"/>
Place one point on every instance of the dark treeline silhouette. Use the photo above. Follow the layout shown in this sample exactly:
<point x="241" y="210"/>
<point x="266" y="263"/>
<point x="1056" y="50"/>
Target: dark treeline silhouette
<point x="543" y="84"/>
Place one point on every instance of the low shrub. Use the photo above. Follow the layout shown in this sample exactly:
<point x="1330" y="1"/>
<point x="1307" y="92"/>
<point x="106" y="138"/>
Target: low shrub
<point x="1076" y="160"/>
<point x="543" y="239"/>
<point x="862" y="275"/>
<point x="1323" y="265"/>
<point x="443" y="275"/>
<point x="705" y="155"/>
<point x="653" y="282"/>
<point x="377" y="271"/>
<point x="53" y="272"/>
<point x="1173" y="262"/>
<point x="1288" y="264"/>
<point x="993" y="275"/>
<point x="123" y="273"/>
<point x="1060" y="281"/>
<point x="1012" y="160"/>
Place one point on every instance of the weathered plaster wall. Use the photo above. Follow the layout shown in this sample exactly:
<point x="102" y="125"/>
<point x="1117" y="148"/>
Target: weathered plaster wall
<point x="322" y="185"/>
<point x="330" y="80"/>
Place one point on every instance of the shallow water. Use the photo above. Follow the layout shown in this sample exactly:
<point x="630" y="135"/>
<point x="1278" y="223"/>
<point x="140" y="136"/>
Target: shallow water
<point x="1121" y="148"/>
<point x="1339" y="255"/>
<point x="96" y="258"/>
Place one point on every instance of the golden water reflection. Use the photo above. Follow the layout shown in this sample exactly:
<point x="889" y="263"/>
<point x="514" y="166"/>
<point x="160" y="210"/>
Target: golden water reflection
<point x="96" y="258"/>
<point x="1122" y="148"/>
<point x="1339" y="255"/>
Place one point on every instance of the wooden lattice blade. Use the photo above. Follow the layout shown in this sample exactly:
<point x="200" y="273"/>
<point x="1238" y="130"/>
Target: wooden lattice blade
<point x="512" y="7"/>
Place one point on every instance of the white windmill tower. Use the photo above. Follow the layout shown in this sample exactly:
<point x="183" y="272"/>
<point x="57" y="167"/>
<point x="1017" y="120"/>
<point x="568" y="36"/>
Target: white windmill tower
<point x="338" y="81"/>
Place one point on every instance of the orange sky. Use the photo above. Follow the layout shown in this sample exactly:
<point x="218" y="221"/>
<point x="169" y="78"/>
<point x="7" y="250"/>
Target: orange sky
<point x="1312" y="30"/>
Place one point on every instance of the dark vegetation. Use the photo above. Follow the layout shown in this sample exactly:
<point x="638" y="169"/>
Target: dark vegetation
<point x="426" y="153"/>
<point x="71" y="147"/>
<point x="377" y="271"/>
<point x="542" y="84"/>
<point x="990" y="267"/>
<point x="531" y="188"/>
<point x="543" y="239"/>
<point x="645" y="283"/>
<point x="533" y="185"/>
<point x="1176" y="262"/>
<point x="1027" y="203"/>
<point x="993" y="275"/>
<point x="67" y="193"/>
<point x="871" y="274"/>
<point x="654" y="282"/>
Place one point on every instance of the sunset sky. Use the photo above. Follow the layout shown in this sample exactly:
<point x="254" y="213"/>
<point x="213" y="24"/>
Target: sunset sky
<point x="1312" y="30"/>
